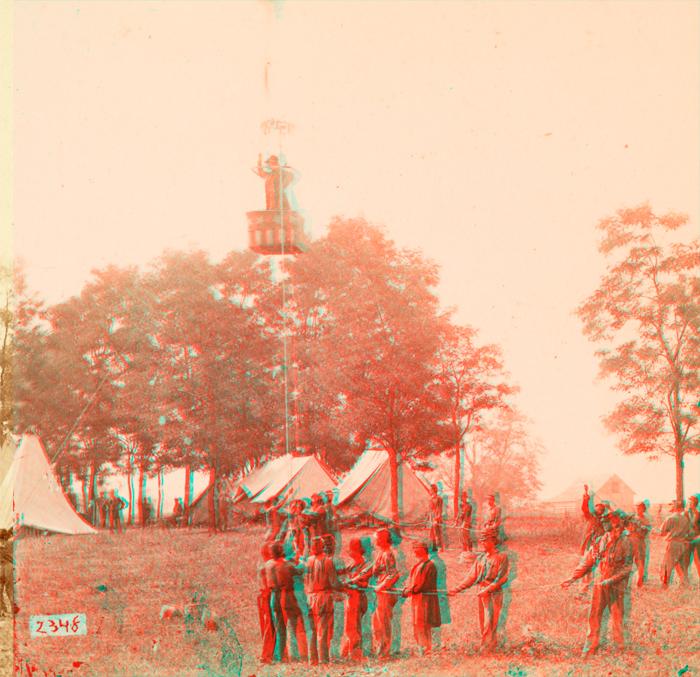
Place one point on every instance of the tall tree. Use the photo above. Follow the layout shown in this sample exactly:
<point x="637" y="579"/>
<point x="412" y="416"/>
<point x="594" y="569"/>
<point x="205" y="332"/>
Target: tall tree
<point x="503" y="457"/>
<point x="383" y="331"/>
<point x="471" y="381"/>
<point x="646" y="316"/>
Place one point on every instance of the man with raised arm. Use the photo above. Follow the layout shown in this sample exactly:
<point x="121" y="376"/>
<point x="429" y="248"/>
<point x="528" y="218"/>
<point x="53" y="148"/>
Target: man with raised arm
<point x="611" y="560"/>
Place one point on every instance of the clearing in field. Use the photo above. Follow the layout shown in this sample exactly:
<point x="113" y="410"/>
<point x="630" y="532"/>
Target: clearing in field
<point x="122" y="582"/>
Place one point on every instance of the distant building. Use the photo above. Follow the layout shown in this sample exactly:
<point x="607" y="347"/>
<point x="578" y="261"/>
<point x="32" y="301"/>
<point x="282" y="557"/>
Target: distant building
<point x="604" y="488"/>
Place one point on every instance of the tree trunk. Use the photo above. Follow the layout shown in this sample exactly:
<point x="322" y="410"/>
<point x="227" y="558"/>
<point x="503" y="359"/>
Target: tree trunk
<point x="160" y="493"/>
<point x="188" y="491"/>
<point x="142" y="492"/>
<point x="394" y="488"/>
<point x="212" y="500"/>
<point x="130" y="467"/>
<point x="86" y="495"/>
<point x="679" y="474"/>
<point x="458" y="478"/>
<point x="92" y="496"/>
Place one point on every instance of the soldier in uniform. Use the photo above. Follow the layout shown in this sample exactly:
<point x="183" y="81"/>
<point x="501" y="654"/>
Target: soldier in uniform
<point x="595" y="520"/>
<point x="355" y="602"/>
<point x="436" y="525"/>
<point x="639" y="528"/>
<point x="383" y="569"/>
<point x="611" y="558"/>
<point x="267" y="627"/>
<point x="422" y="588"/>
<point x="321" y="583"/>
<point x="280" y="575"/>
<point x="103" y="508"/>
<point x="676" y="530"/>
<point x="116" y="505"/>
<point x="490" y="572"/>
<point x="464" y="522"/>
<point x="493" y="518"/>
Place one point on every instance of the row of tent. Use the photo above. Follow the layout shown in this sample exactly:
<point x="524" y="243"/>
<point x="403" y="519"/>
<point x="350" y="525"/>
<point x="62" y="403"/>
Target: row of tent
<point x="31" y="496"/>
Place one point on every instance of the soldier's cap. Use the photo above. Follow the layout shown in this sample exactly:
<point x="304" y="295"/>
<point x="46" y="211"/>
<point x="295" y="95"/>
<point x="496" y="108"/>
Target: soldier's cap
<point x="421" y="545"/>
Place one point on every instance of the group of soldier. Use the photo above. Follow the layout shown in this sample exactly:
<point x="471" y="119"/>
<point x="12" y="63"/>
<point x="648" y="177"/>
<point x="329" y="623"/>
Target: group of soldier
<point x="301" y="577"/>
<point x="108" y="511"/>
<point x="614" y="542"/>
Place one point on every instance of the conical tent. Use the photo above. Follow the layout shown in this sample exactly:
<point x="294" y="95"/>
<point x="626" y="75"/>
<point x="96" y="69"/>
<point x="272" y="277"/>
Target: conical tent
<point x="366" y="489"/>
<point x="30" y="494"/>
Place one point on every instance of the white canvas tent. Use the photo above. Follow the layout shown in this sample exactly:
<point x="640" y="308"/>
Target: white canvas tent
<point x="366" y="489"/>
<point x="7" y="453"/>
<point x="30" y="494"/>
<point x="288" y="475"/>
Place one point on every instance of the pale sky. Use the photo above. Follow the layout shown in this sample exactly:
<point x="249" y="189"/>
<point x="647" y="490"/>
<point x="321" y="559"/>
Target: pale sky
<point x="492" y="136"/>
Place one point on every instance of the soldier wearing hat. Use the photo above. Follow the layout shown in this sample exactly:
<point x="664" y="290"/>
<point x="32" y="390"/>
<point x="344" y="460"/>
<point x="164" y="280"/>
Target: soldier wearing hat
<point x="286" y="613"/>
<point x="355" y="602"/>
<point x="490" y="572"/>
<point x="595" y="520"/>
<point x="321" y="582"/>
<point x="384" y="570"/>
<point x="422" y="588"/>
<point x="676" y="529"/>
<point x="611" y="560"/>
<point x="267" y="626"/>
<point x="436" y="518"/>
<point x="639" y="528"/>
<point x="693" y="515"/>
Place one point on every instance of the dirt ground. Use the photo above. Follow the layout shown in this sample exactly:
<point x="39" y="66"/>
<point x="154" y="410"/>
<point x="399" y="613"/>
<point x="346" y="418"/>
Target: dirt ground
<point x="5" y="646"/>
<point x="121" y="582"/>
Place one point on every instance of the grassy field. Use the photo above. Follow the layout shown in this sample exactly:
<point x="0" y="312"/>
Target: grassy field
<point x="122" y="582"/>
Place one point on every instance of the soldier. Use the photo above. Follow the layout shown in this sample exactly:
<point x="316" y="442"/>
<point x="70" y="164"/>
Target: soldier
<point x="355" y="602"/>
<point x="383" y="569"/>
<point x="493" y="519"/>
<point x="595" y="520"/>
<point x="639" y="528"/>
<point x="436" y="525"/>
<point x="273" y="520"/>
<point x="6" y="570"/>
<point x="464" y="522"/>
<point x="178" y="511"/>
<point x="676" y="530"/>
<point x="116" y="504"/>
<point x="330" y="526"/>
<point x="422" y="588"/>
<point x="693" y="515"/>
<point x="286" y="613"/>
<point x="321" y="582"/>
<point x="103" y="508"/>
<point x="267" y="627"/>
<point x="296" y="527"/>
<point x="490" y="572"/>
<point x="611" y="557"/>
